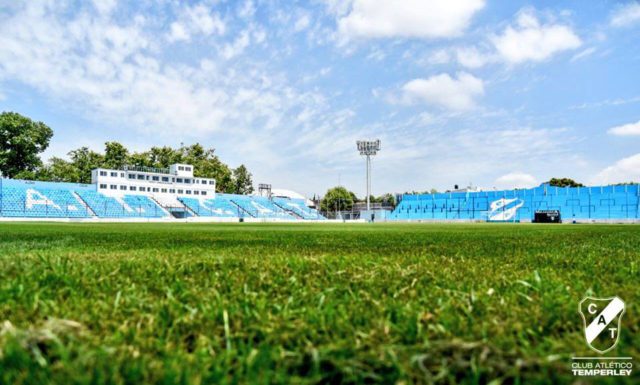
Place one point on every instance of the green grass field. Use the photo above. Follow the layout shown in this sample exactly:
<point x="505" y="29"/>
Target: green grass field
<point x="307" y="303"/>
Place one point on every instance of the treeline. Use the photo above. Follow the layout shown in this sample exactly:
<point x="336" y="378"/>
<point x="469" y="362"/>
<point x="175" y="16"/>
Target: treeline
<point x="22" y="140"/>
<point x="340" y="199"/>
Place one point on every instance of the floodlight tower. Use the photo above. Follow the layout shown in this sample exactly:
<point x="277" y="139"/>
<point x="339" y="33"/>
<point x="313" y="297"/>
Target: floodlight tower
<point x="368" y="148"/>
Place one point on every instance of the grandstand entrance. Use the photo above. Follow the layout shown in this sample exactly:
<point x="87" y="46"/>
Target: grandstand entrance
<point x="178" y="212"/>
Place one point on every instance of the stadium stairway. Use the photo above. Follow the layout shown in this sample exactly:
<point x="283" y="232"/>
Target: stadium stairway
<point x="290" y="211"/>
<point x="243" y="209"/>
<point x="84" y="204"/>
<point x="173" y="206"/>
<point x="297" y="207"/>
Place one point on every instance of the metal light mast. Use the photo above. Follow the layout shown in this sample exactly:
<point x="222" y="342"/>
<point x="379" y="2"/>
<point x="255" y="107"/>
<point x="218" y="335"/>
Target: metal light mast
<point x="368" y="148"/>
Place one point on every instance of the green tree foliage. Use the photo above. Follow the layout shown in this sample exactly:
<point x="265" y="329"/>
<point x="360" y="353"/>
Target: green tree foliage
<point x="337" y="199"/>
<point x="21" y="142"/>
<point x="116" y="156"/>
<point x="242" y="180"/>
<point x="564" y="182"/>
<point x="387" y="199"/>
<point x="82" y="160"/>
<point x="57" y="170"/>
<point x="208" y="165"/>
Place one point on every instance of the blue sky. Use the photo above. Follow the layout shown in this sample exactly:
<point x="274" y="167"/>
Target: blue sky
<point x="494" y="93"/>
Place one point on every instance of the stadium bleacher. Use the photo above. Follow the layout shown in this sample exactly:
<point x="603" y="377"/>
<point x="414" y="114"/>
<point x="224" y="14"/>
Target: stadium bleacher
<point x="28" y="199"/>
<point x="217" y="207"/>
<point x="574" y="203"/>
<point x="298" y="207"/>
<point x="41" y="203"/>
<point x="144" y="206"/>
<point x="128" y="206"/>
<point x="258" y="206"/>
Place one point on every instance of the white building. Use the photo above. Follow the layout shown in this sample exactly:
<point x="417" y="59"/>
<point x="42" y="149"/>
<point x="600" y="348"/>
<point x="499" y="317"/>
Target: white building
<point x="177" y="180"/>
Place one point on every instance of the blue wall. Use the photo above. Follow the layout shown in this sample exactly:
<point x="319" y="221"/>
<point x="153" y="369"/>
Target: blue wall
<point x="602" y="202"/>
<point x="15" y="183"/>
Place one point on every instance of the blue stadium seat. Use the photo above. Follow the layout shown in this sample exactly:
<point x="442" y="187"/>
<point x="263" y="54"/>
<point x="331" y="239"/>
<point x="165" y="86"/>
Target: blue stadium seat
<point x="31" y="202"/>
<point x="600" y="202"/>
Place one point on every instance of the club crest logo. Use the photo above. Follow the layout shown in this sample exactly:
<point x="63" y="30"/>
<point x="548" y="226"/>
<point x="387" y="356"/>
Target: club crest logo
<point x="601" y="318"/>
<point x="504" y="209"/>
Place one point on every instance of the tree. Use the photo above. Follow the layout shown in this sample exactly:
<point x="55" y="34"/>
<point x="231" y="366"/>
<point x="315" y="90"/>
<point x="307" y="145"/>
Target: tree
<point x="163" y="157"/>
<point x="387" y="199"/>
<point x="207" y="165"/>
<point x="564" y="182"/>
<point x="21" y="141"/>
<point x="116" y="156"/>
<point x="85" y="160"/>
<point x="242" y="180"/>
<point x="337" y="199"/>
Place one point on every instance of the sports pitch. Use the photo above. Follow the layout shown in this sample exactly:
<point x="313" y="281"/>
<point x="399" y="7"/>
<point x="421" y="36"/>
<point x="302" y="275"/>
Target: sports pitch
<point x="307" y="303"/>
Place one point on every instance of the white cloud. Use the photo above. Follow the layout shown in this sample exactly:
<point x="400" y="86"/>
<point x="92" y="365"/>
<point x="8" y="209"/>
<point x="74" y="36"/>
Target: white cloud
<point x="442" y="90"/>
<point x="440" y="56"/>
<point x="624" y="170"/>
<point x="471" y="57"/>
<point x="302" y="22"/>
<point x="531" y="40"/>
<point x="626" y="15"/>
<point x="194" y="21"/>
<point x="408" y="18"/>
<point x="105" y="7"/>
<point x="584" y="53"/>
<point x="247" y="10"/>
<point x="631" y="129"/>
<point x="516" y="180"/>
<point x="114" y="72"/>
<point x="178" y="32"/>
<point x="238" y="46"/>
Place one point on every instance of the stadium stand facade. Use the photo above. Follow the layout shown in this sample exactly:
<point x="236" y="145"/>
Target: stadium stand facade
<point x="599" y="203"/>
<point x="136" y="192"/>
